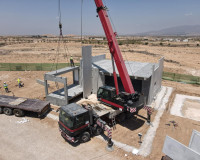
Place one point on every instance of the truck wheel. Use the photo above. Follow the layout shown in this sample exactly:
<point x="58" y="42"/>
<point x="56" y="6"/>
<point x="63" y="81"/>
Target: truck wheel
<point x="85" y="137"/>
<point x="1" y="110"/>
<point x="98" y="131"/>
<point x="18" y="112"/>
<point x="7" y="111"/>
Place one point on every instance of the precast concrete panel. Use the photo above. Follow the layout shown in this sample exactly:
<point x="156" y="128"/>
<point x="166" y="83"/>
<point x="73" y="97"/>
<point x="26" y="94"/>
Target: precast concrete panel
<point x="76" y="77"/>
<point x="55" y="78"/>
<point x="146" y="88"/>
<point x="98" y="58"/>
<point x="161" y="65"/>
<point x="81" y="73"/>
<point x="41" y="82"/>
<point x="177" y="151"/>
<point x="151" y="90"/>
<point x="87" y="70"/>
<point x="195" y="141"/>
<point x="63" y="70"/>
<point x="95" y="79"/>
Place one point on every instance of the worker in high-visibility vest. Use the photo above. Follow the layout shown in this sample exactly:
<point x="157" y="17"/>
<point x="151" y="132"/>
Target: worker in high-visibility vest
<point x="19" y="82"/>
<point x="5" y="87"/>
<point x="71" y="61"/>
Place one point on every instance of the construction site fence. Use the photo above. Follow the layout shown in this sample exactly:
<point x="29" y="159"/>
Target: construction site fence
<point x="33" y="66"/>
<point x="50" y="67"/>
<point x="189" y="79"/>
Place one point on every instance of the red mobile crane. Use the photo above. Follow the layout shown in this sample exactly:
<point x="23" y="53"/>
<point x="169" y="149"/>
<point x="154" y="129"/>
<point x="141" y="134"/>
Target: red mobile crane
<point x="78" y="123"/>
<point x="125" y="100"/>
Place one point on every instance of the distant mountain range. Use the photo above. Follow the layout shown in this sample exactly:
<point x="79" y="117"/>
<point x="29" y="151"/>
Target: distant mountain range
<point x="187" y="30"/>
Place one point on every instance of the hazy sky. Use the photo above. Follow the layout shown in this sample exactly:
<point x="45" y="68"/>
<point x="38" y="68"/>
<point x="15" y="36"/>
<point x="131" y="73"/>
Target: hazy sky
<point x="33" y="17"/>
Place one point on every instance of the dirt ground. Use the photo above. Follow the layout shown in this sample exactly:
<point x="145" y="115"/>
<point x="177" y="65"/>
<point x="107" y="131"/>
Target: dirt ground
<point x="177" y="59"/>
<point x="23" y="133"/>
<point x="40" y="139"/>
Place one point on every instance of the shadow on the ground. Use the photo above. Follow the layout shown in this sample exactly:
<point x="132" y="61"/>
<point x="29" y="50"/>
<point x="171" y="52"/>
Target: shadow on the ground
<point x="133" y="123"/>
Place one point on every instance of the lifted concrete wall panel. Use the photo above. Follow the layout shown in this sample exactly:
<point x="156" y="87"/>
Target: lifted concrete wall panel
<point x="87" y="70"/>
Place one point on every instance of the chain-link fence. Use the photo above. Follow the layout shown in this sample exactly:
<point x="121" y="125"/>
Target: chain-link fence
<point x="50" y="67"/>
<point x="181" y="78"/>
<point x="32" y="66"/>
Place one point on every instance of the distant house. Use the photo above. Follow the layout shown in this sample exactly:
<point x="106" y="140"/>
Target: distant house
<point x="185" y="40"/>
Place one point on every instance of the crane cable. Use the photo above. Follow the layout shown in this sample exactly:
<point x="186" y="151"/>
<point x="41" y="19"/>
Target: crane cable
<point x="61" y="39"/>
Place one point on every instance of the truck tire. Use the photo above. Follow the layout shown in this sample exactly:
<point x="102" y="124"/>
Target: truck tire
<point x="1" y="110"/>
<point x="98" y="131"/>
<point x="18" y="112"/>
<point x="85" y="137"/>
<point x="7" y="111"/>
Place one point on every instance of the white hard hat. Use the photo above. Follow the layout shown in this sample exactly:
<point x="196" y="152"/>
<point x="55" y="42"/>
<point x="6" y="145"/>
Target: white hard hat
<point x="4" y="82"/>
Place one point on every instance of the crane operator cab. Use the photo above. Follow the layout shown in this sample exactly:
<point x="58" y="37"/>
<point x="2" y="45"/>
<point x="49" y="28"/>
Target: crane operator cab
<point x="74" y="123"/>
<point x="124" y="101"/>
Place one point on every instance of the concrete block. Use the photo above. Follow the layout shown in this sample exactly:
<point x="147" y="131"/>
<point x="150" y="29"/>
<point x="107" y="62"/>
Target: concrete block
<point x="195" y="141"/>
<point x="178" y="151"/>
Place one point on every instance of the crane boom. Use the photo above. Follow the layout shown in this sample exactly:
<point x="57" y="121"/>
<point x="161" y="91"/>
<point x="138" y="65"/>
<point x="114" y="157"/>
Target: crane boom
<point x="114" y="48"/>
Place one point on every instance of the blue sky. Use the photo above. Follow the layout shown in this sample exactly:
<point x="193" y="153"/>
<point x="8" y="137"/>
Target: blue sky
<point x="33" y="17"/>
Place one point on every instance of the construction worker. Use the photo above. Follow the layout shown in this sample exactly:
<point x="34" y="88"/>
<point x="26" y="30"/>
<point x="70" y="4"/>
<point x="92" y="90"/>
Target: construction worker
<point x="19" y="82"/>
<point x="71" y="61"/>
<point x="5" y="87"/>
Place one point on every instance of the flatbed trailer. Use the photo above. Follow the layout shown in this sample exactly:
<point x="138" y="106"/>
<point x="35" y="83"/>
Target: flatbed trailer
<point x="18" y="106"/>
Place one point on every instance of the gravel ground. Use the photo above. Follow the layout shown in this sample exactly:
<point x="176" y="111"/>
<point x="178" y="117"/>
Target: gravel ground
<point x="40" y="139"/>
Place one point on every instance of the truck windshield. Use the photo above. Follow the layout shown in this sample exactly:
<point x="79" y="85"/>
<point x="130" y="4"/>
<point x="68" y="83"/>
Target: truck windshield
<point x="66" y="119"/>
<point x="100" y="91"/>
